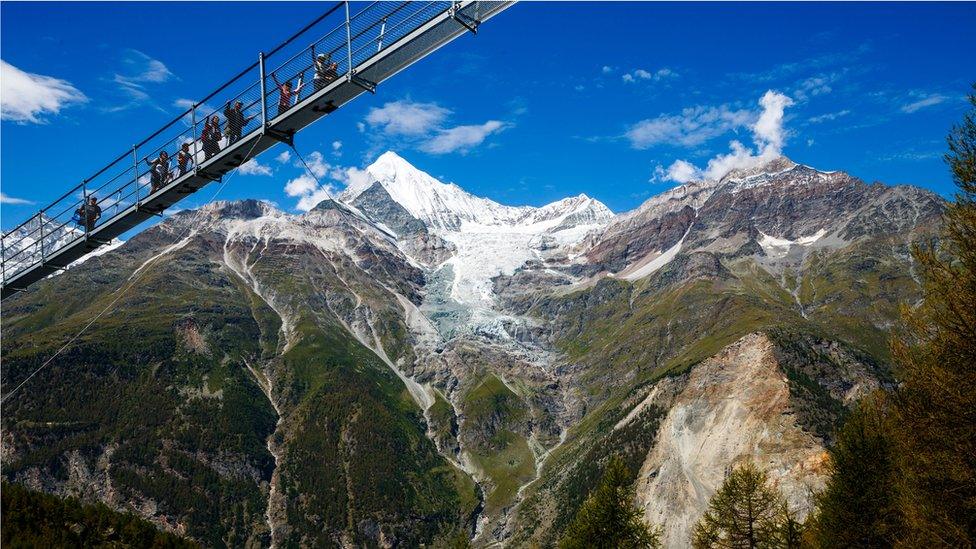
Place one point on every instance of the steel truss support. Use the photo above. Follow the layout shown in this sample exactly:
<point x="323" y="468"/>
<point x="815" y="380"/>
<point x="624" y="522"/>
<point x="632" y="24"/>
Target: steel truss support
<point x="464" y="20"/>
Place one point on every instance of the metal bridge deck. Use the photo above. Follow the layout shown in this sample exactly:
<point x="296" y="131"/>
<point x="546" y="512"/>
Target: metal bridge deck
<point x="367" y="48"/>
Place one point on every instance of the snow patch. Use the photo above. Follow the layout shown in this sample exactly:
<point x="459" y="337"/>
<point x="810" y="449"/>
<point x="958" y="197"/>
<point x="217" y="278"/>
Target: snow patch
<point x="652" y="262"/>
<point x="780" y="247"/>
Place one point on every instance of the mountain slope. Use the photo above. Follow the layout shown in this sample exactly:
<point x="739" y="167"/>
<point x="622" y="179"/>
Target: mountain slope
<point x="424" y="360"/>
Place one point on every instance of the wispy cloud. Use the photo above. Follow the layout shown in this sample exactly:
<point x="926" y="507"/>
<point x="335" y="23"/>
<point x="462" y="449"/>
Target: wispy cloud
<point x="139" y="71"/>
<point x="641" y="74"/>
<point x="461" y="138"/>
<point x="407" y="118"/>
<point x="283" y="157"/>
<point x="828" y="116"/>
<point x="424" y="126"/>
<point x="693" y="126"/>
<point x="815" y="63"/>
<point x="923" y="100"/>
<point x="6" y="199"/>
<point x="814" y="86"/>
<point x="25" y="98"/>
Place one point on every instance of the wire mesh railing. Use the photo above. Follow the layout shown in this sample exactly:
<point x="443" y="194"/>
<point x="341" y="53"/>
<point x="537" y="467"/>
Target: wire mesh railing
<point x="292" y="73"/>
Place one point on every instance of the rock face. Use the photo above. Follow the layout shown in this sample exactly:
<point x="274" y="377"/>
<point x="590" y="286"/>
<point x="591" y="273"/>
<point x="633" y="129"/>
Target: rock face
<point x="411" y="359"/>
<point x="735" y="407"/>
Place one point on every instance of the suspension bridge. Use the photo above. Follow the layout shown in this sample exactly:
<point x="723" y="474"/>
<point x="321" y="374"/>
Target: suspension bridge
<point x="351" y="52"/>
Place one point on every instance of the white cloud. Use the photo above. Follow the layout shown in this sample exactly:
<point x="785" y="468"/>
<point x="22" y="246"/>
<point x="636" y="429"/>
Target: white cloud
<point x="814" y="86"/>
<point x="143" y="68"/>
<point x="316" y="164"/>
<point x="309" y="201"/>
<point x="6" y="199"/>
<point x="925" y="100"/>
<point x="768" y="134"/>
<point x="283" y="157"/>
<point x="337" y="148"/>
<point x="680" y="171"/>
<point x="641" y="74"/>
<point x="422" y="125"/>
<point x="354" y="177"/>
<point x="461" y="138"/>
<point x="309" y="187"/>
<point x="407" y="118"/>
<point x="607" y="69"/>
<point x="693" y="126"/>
<point x="828" y="116"/>
<point x="303" y="184"/>
<point x="140" y="70"/>
<point x="27" y="97"/>
<point x="768" y="131"/>
<point x="253" y="167"/>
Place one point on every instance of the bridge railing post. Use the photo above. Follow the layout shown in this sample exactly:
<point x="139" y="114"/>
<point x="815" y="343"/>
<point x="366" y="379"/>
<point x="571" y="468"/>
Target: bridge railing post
<point x="40" y="221"/>
<point x="83" y="215"/>
<point x="196" y="139"/>
<point x="264" y="92"/>
<point x="135" y="170"/>
<point x="379" y="43"/>
<point x="348" y="44"/>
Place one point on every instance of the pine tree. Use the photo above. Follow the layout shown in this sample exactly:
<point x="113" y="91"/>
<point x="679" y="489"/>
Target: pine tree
<point x="745" y="512"/>
<point x="608" y="518"/>
<point x="857" y="507"/>
<point x="936" y="403"/>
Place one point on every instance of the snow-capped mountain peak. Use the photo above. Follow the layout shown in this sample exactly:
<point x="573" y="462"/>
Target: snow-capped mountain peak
<point x="447" y="206"/>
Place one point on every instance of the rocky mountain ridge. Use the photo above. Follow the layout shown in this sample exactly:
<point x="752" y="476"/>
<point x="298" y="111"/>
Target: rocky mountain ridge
<point x="413" y="359"/>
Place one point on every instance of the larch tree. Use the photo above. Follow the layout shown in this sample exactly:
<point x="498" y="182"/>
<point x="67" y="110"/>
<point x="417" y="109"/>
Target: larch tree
<point x="746" y="512"/>
<point x="936" y="356"/>
<point x="608" y="518"/>
<point x="858" y="506"/>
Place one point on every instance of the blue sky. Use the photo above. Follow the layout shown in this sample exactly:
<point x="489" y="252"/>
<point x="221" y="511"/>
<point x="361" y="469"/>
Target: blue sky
<point x="548" y="100"/>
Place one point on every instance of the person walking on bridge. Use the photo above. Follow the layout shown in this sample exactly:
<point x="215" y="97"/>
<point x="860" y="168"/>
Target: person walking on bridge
<point x="285" y="94"/>
<point x="235" y="121"/>
<point x="211" y="137"/>
<point x="89" y="214"/>
<point x="158" y="171"/>
<point x="326" y="70"/>
<point x="184" y="158"/>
